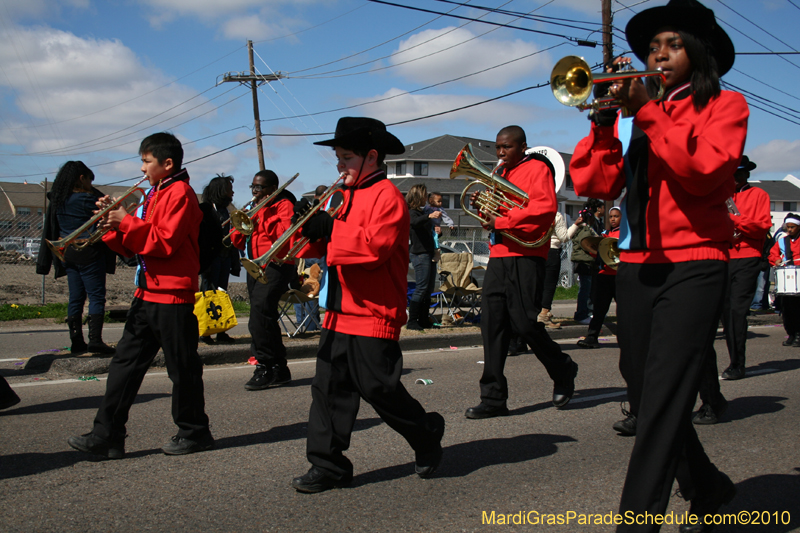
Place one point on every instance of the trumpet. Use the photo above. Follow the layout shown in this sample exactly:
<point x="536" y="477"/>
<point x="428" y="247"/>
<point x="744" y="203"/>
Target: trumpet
<point x="226" y="240"/>
<point x="499" y="195"/>
<point x="60" y="246"/>
<point x="572" y="81"/>
<point x="243" y="221"/>
<point x="256" y="267"/>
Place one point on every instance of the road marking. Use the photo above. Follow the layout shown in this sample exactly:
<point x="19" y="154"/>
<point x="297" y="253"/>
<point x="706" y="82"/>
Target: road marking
<point x="599" y="397"/>
<point x="9" y="360"/>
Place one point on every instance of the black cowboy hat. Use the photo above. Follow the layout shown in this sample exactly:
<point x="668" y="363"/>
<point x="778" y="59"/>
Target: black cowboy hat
<point x="684" y="15"/>
<point x="364" y="133"/>
<point x="746" y="164"/>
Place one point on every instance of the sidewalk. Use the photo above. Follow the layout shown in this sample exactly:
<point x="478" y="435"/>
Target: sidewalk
<point x="43" y="359"/>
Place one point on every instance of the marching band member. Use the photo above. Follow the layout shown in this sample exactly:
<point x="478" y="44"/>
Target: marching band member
<point x="270" y="223"/>
<point x="786" y="251"/>
<point x="512" y="288"/>
<point x="675" y="157"/>
<point x="364" y="292"/>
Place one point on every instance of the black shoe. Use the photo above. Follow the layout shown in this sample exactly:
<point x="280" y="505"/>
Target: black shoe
<point x="8" y="398"/>
<point x="515" y="349"/>
<point x="627" y="426"/>
<point x="183" y="446"/>
<point x="562" y="393"/>
<point x="317" y="480"/>
<point x="207" y="340"/>
<point x="486" y="411"/>
<point x="733" y="373"/>
<point x="426" y="463"/>
<point x="91" y="443"/>
<point x="709" y="504"/>
<point x="265" y="377"/>
<point x="796" y="341"/>
<point x="708" y="415"/>
<point x="224" y="338"/>
<point x="790" y="340"/>
<point x="589" y="342"/>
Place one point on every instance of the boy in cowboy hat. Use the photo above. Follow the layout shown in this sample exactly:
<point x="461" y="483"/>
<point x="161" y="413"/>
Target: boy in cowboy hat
<point x="366" y="252"/>
<point x="675" y="157"/>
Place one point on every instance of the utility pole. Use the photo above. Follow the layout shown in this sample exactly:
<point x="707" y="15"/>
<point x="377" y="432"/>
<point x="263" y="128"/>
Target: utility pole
<point x="608" y="56"/>
<point x="254" y="81"/>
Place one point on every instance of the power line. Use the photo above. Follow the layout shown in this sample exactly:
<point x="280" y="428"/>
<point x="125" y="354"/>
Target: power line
<point x="526" y="16"/>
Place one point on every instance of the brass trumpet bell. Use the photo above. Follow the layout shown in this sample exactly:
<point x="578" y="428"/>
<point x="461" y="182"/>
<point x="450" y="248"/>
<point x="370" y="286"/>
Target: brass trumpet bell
<point x="572" y="82"/>
<point x="608" y="250"/>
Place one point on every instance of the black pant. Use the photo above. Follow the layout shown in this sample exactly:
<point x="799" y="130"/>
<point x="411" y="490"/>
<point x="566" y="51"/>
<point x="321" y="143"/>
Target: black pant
<point x="739" y="294"/>
<point x="552" y="269"/>
<point x="265" y="331"/>
<point x="511" y="302"/>
<point x="667" y="315"/>
<point x="604" y="289"/>
<point x="790" y="310"/>
<point x="151" y="326"/>
<point x="351" y="367"/>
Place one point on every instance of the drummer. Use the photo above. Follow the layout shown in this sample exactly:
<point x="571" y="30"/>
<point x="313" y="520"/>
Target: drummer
<point x="786" y="252"/>
<point x="603" y="286"/>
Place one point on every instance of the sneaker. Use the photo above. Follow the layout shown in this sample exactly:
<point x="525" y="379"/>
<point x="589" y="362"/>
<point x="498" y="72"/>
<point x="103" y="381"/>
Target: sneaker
<point x="589" y="342"/>
<point x="318" y="480"/>
<point x="426" y="463"/>
<point x="585" y="322"/>
<point x="265" y="377"/>
<point x="224" y="338"/>
<point x="183" y="446"/>
<point x="91" y="443"/>
<point x="627" y="426"/>
<point x="708" y="415"/>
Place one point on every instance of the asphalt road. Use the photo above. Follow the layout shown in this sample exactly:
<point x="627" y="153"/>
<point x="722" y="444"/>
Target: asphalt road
<point x="539" y="459"/>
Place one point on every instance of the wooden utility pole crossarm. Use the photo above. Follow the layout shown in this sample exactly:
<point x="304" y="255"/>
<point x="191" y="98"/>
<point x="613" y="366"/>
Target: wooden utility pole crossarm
<point x="254" y="81"/>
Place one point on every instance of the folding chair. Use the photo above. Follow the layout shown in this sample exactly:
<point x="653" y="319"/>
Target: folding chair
<point x="459" y="294"/>
<point x="287" y="302"/>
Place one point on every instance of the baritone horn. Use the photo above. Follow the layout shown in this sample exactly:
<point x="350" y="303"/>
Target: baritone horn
<point x="608" y="250"/>
<point x="572" y="82"/>
<point x="499" y="194"/>
<point x="256" y="267"/>
<point x="226" y="240"/>
<point x="243" y="220"/>
<point x="60" y="246"/>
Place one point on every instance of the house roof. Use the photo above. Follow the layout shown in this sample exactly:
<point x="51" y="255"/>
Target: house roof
<point x="779" y="190"/>
<point x="445" y="148"/>
<point x="15" y="195"/>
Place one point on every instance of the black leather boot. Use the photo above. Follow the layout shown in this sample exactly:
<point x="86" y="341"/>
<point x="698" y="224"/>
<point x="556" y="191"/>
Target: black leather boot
<point x="76" y="334"/>
<point x="96" y="344"/>
<point x="413" y="316"/>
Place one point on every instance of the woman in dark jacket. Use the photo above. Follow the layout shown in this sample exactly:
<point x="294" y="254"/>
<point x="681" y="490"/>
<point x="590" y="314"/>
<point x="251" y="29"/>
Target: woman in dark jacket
<point x="72" y="203"/>
<point x="421" y="252"/>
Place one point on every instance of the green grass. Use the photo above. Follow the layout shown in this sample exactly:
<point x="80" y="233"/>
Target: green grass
<point x="58" y="312"/>
<point x="567" y="294"/>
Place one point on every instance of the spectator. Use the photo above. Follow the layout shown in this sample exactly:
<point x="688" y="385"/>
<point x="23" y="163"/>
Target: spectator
<point x="421" y="252"/>
<point x="552" y="271"/>
<point x="586" y="225"/>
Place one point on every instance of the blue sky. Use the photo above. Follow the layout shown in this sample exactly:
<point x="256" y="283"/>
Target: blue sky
<point x="88" y="79"/>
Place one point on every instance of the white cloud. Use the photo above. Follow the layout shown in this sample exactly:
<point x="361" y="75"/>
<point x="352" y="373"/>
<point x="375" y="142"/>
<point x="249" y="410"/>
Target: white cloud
<point x="777" y="156"/>
<point x="438" y="55"/>
<point x="74" y="90"/>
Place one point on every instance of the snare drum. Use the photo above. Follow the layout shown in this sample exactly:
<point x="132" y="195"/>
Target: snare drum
<point x="786" y="280"/>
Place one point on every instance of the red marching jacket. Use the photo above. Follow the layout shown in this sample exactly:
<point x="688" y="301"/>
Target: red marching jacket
<point x="270" y="223"/>
<point x="533" y="221"/>
<point x="367" y="258"/>
<point x="165" y="242"/>
<point x="753" y="223"/>
<point x="683" y="176"/>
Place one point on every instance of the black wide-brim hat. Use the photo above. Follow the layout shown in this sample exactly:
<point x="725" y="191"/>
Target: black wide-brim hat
<point x="746" y="164"/>
<point x="685" y="15"/>
<point x="364" y="133"/>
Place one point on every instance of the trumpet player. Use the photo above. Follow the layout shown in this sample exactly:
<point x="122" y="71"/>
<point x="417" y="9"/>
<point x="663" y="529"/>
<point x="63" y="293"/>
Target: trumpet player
<point x="163" y="236"/>
<point x="675" y="157"/>
<point x="269" y="223"/>
<point x="366" y="252"/>
<point x="514" y="281"/>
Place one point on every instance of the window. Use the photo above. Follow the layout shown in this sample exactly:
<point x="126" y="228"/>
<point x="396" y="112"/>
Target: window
<point x="570" y="186"/>
<point x="6" y="224"/>
<point x="420" y="169"/>
<point x="39" y="211"/>
<point x="400" y="168"/>
<point x="569" y="210"/>
<point x="790" y="206"/>
<point x="445" y="201"/>
<point x="23" y="225"/>
<point x="23" y="211"/>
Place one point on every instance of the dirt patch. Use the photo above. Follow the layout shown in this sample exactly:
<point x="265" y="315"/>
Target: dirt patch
<point x="21" y="285"/>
